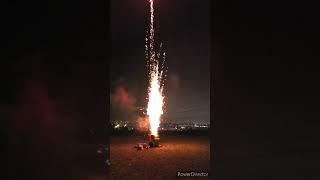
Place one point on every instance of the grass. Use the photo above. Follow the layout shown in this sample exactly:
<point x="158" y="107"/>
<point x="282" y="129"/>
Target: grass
<point x="177" y="153"/>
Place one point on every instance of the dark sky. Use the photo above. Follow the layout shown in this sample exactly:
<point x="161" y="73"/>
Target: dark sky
<point x="184" y="28"/>
<point x="53" y="75"/>
<point x="266" y="93"/>
<point x="61" y="44"/>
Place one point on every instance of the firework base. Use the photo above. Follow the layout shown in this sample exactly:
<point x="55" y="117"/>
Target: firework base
<point x="154" y="141"/>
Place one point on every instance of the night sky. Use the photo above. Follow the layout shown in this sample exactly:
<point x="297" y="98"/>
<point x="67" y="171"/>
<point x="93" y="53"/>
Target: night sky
<point x="184" y="29"/>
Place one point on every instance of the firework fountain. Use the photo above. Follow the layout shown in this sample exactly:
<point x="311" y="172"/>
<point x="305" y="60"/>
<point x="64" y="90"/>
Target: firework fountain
<point x="156" y="74"/>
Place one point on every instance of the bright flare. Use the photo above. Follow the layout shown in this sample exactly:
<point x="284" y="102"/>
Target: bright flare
<point x="155" y="91"/>
<point x="155" y="103"/>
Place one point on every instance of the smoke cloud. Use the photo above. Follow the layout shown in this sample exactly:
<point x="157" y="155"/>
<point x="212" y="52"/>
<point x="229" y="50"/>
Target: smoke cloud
<point x="123" y="100"/>
<point x="142" y="123"/>
<point x="124" y="107"/>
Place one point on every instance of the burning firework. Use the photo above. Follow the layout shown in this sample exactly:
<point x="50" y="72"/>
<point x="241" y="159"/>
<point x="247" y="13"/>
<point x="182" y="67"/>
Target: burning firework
<point x="156" y="78"/>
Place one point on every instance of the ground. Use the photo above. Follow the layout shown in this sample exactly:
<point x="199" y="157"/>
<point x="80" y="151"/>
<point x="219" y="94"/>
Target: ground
<point x="178" y="153"/>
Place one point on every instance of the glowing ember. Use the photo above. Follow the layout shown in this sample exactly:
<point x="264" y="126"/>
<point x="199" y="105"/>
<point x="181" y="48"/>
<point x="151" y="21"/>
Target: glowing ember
<point x="155" y="94"/>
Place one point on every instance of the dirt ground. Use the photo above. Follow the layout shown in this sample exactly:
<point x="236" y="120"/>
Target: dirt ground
<point x="177" y="153"/>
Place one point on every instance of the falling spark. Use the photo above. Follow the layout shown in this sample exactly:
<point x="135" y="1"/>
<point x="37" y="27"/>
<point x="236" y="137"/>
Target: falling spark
<point x="156" y="81"/>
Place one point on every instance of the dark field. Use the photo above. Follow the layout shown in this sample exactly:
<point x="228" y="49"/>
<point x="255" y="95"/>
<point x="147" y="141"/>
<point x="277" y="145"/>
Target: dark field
<point x="176" y="153"/>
